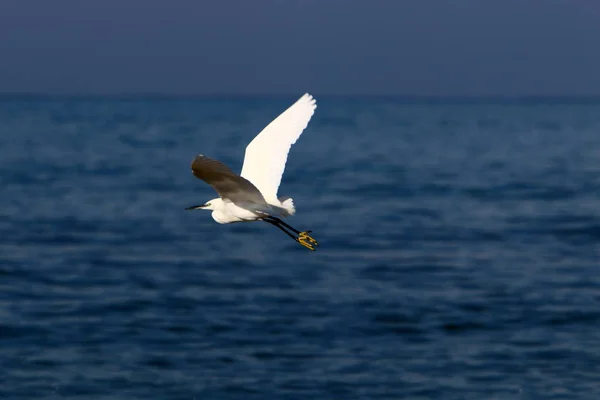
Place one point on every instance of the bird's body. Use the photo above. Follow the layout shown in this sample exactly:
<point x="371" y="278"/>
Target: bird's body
<point x="227" y="212"/>
<point x="252" y="195"/>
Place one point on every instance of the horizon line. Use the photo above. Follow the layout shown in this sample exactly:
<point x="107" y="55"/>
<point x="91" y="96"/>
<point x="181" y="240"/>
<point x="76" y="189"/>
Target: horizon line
<point x="212" y="95"/>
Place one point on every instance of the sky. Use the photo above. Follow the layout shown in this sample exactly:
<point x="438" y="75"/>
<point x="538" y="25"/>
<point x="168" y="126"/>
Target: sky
<point x="341" y="47"/>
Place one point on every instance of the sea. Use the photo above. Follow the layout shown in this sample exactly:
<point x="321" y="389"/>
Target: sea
<point x="459" y="251"/>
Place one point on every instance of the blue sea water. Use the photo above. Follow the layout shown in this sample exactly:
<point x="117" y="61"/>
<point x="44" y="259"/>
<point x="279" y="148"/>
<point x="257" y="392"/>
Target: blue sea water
<point x="459" y="257"/>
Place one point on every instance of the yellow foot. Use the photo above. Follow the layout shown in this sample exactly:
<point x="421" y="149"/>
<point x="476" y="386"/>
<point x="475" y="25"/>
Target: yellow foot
<point x="305" y="239"/>
<point x="305" y="235"/>
<point x="305" y="243"/>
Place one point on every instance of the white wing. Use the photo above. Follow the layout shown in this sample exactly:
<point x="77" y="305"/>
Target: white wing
<point x="267" y="153"/>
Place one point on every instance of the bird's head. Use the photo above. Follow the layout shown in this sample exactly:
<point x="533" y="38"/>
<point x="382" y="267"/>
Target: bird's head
<point x="209" y="205"/>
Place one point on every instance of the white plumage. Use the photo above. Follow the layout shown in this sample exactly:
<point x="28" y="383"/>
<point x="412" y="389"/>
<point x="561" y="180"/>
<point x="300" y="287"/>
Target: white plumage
<point x="252" y="195"/>
<point x="267" y="153"/>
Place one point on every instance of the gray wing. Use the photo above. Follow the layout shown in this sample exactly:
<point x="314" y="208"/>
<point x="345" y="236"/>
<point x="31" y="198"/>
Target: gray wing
<point x="227" y="183"/>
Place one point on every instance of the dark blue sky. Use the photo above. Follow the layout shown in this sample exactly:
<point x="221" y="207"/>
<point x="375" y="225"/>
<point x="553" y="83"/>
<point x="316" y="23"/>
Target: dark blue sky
<point x="414" y="47"/>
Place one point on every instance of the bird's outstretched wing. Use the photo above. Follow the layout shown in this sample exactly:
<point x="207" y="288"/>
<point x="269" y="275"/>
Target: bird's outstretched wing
<point x="267" y="154"/>
<point x="227" y="183"/>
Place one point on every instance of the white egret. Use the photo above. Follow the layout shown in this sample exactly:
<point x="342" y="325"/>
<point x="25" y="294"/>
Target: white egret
<point x="252" y="195"/>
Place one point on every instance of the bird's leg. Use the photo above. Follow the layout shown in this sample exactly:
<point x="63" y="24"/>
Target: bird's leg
<point x="303" y="237"/>
<point x="280" y="221"/>
<point x="297" y="239"/>
<point x="280" y="227"/>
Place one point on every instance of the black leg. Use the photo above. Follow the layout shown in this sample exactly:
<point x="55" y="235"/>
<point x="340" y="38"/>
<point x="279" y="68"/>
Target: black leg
<point x="280" y="221"/>
<point x="303" y="238"/>
<point x="281" y="227"/>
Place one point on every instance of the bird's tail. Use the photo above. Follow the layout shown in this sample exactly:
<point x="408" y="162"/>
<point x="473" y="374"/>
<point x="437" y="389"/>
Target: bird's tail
<point x="288" y="205"/>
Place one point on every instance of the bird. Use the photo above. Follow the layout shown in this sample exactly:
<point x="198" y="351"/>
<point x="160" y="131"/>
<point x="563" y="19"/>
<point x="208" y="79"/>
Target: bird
<point x="252" y="195"/>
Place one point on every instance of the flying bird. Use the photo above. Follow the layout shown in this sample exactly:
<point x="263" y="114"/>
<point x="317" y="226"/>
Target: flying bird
<point x="252" y="195"/>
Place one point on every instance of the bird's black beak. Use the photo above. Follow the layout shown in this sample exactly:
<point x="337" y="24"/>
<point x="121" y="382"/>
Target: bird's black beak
<point x="195" y="207"/>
